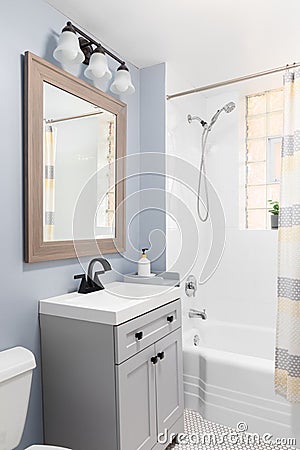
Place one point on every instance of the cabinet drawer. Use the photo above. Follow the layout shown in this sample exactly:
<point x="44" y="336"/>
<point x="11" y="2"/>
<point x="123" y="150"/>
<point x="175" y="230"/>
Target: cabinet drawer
<point x="135" y="335"/>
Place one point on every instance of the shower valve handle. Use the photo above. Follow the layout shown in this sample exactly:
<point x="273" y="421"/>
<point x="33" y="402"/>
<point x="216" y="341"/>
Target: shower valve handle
<point x="191" y="286"/>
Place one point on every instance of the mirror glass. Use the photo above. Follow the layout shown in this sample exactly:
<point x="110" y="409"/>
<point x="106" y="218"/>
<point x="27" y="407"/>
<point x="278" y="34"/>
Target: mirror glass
<point x="79" y="155"/>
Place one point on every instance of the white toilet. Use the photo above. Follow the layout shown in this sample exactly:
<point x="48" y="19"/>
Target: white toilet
<point x="16" y="366"/>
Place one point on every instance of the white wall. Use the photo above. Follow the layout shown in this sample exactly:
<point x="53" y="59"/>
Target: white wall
<point x="243" y="288"/>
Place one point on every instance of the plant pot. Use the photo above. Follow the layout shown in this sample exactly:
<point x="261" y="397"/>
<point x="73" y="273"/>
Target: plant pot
<point x="274" y="221"/>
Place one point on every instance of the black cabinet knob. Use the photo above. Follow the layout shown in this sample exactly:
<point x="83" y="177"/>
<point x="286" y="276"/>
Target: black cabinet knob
<point x="139" y="335"/>
<point x="161" y="355"/>
<point x="154" y="359"/>
<point x="170" y="319"/>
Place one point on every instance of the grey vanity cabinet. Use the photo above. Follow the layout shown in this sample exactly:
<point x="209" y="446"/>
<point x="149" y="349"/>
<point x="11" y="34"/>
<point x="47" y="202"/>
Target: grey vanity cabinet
<point x="150" y="391"/>
<point x="137" y="401"/>
<point x="169" y="392"/>
<point x="112" y="387"/>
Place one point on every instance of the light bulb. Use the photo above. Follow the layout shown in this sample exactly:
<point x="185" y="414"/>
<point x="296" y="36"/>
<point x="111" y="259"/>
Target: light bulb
<point x="122" y="83"/>
<point x="98" y="67"/>
<point x="68" y="49"/>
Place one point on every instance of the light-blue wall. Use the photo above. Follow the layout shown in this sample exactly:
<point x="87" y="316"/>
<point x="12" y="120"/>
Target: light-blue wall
<point x="33" y="25"/>
<point x="153" y="141"/>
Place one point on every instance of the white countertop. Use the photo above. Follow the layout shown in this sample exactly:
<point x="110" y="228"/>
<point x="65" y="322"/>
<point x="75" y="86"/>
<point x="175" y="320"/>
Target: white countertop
<point x="116" y="304"/>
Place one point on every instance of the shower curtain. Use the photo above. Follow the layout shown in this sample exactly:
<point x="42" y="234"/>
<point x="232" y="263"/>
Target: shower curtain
<point x="49" y="181"/>
<point x="287" y="355"/>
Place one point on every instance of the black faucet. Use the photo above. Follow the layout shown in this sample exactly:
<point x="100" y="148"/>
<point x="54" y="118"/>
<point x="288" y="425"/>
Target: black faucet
<point x="90" y="283"/>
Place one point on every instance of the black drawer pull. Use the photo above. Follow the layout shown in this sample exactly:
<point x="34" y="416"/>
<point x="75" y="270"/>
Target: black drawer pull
<point x="139" y="335"/>
<point x="170" y="319"/>
<point x="154" y="359"/>
<point x="161" y="355"/>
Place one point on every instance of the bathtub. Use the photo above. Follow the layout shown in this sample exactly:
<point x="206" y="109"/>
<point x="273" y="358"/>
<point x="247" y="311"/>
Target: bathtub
<point x="228" y="377"/>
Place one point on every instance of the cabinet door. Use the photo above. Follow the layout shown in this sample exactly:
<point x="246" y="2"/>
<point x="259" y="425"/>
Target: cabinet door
<point x="169" y="380"/>
<point x="136" y="402"/>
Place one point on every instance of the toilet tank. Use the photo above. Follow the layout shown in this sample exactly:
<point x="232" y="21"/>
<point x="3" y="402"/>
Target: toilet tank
<point x="16" y="365"/>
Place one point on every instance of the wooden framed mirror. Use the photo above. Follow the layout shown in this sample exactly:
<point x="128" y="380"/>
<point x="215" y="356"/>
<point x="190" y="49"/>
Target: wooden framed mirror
<point x="75" y="147"/>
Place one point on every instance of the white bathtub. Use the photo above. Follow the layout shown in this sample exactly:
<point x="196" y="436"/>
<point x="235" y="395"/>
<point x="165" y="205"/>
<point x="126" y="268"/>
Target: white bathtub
<point x="228" y="377"/>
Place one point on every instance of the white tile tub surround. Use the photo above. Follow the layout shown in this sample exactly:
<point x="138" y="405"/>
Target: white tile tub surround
<point x="228" y="378"/>
<point x="243" y="288"/>
<point x="194" y="424"/>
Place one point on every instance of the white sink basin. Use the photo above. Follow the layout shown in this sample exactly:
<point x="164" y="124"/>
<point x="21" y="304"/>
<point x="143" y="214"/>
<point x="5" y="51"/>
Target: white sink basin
<point x="117" y="303"/>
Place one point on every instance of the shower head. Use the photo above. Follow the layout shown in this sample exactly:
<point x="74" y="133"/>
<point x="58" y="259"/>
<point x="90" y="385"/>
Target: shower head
<point x="191" y="118"/>
<point x="229" y="107"/>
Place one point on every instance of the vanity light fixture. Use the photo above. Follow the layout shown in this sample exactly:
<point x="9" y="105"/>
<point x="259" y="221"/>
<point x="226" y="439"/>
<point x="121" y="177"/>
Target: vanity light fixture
<point x="122" y="82"/>
<point x="98" y="67"/>
<point x="68" y="49"/>
<point x="73" y="50"/>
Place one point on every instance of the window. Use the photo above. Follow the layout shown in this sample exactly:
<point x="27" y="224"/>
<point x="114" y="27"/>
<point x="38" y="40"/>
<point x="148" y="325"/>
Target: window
<point x="264" y="130"/>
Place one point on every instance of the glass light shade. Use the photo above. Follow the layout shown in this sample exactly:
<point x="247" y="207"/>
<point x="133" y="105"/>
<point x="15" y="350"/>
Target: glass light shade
<point x="122" y="83"/>
<point x="68" y="49"/>
<point x="98" y="67"/>
<point x="130" y="90"/>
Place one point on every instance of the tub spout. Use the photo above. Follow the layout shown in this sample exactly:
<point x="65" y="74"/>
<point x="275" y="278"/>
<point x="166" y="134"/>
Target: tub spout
<point x="194" y="313"/>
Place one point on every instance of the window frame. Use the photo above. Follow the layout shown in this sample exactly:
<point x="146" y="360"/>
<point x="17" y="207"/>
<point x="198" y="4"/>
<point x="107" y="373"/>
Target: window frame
<point x="270" y="141"/>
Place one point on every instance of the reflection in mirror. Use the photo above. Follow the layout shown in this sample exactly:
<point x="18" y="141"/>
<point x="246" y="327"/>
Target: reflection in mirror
<point x="79" y="145"/>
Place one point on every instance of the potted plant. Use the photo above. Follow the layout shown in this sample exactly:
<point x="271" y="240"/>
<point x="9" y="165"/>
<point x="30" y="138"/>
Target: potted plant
<point x="274" y="205"/>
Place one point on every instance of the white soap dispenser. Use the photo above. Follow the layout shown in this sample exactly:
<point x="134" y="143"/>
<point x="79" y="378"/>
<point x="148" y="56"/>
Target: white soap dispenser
<point x="144" y="265"/>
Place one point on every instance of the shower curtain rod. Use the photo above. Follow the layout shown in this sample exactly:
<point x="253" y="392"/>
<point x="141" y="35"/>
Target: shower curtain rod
<point x="232" y="81"/>
<point x="63" y="119"/>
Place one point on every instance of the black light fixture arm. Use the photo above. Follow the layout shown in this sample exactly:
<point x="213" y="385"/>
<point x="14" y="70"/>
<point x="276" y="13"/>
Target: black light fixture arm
<point x="91" y="41"/>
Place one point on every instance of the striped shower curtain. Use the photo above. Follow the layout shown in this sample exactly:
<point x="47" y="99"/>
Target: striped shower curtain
<point x="287" y="357"/>
<point x="49" y="181"/>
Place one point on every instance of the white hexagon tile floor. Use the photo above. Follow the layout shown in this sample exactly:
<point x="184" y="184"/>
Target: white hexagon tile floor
<point x="200" y="434"/>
